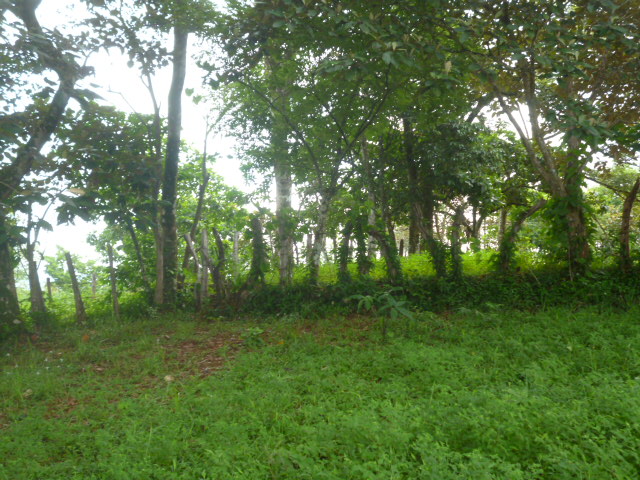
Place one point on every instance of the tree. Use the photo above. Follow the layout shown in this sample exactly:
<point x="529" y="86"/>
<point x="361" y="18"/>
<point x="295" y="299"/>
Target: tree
<point x="51" y="57"/>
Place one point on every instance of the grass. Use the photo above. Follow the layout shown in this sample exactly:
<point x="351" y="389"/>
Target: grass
<point x="469" y="395"/>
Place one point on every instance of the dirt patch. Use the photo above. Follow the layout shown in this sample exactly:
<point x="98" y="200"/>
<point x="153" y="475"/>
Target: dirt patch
<point x="203" y="357"/>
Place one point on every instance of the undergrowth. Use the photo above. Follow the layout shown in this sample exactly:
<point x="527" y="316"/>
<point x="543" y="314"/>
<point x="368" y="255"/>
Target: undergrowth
<point x="477" y="394"/>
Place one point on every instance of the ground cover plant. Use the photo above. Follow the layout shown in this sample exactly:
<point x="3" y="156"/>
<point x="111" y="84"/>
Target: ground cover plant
<point x="472" y="394"/>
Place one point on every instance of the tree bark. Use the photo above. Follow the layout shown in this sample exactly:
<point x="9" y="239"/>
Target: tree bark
<point x="625" y="227"/>
<point x="319" y="235"/>
<point x="198" y="215"/>
<point x="81" y="314"/>
<point x="283" y="216"/>
<point x="9" y="306"/>
<point x="422" y="220"/>
<point x="218" y="276"/>
<point x="136" y="245"/>
<point x="170" y="180"/>
<point x="507" y="244"/>
<point x="391" y="258"/>
<point x="201" y="272"/>
<point x="35" y="290"/>
<point x="115" y="302"/>
<point x="456" y="251"/>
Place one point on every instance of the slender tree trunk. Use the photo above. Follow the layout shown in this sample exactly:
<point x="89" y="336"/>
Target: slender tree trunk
<point x="157" y="180"/>
<point x="236" y="254"/>
<point x="371" y="197"/>
<point x="343" y="254"/>
<point x="625" y="226"/>
<point x="422" y="219"/>
<point x="456" y="251"/>
<point x="136" y="245"/>
<point x="198" y="215"/>
<point x="204" y="271"/>
<point x="49" y="292"/>
<point x="218" y="268"/>
<point x="35" y="290"/>
<point x="197" y="290"/>
<point x="81" y="314"/>
<point x="259" y="255"/>
<point x="318" y="240"/>
<point x="115" y="301"/>
<point x="170" y="181"/>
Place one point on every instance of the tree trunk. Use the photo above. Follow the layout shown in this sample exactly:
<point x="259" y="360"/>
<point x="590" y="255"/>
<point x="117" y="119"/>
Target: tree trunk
<point x="201" y="272"/>
<point x="502" y="228"/>
<point x="456" y="251"/>
<point x="421" y="220"/>
<point x="49" y="293"/>
<point x="625" y="227"/>
<point x="9" y="306"/>
<point x="136" y="245"/>
<point x="507" y="245"/>
<point x="318" y="240"/>
<point x="283" y="216"/>
<point x="343" y="254"/>
<point x="198" y="215"/>
<point x="218" y="268"/>
<point x="114" y="286"/>
<point x="35" y="290"/>
<point x="391" y="258"/>
<point x="155" y="209"/>
<point x="170" y="180"/>
<point x="81" y="314"/>
<point x="259" y="256"/>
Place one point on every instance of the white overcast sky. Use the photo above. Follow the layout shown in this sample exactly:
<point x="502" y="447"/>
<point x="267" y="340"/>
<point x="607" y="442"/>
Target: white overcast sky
<point x="121" y="87"/>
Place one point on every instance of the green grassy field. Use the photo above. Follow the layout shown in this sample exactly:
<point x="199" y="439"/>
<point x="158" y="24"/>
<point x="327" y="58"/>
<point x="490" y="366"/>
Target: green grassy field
<point x="468" y="395"/>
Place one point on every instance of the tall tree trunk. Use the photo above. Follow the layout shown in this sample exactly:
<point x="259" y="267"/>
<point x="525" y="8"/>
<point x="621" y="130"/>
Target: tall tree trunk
<point x="343" y="254"/>
<point x="283" y="216"/>
<point x="422" y="219"/>
<point x="81" y="314"/>
<point x="115" y="301"/>
<point x="136" y="246"/>
<point x="319" y="235"/>
<point x="259" y="258"/>
<point x="202" y="189"/>
<point x="157" y="180"/>
<point x="170" y="180"/>
<point x="456" y="251"/>
<point x="9" y="306"/>
<point x="371" y="197"/>
<point x="218" y="268"/>
<point x="625" y="227"/>
<point x="35" y="289"/>
<point x="201" y="272"/>
<point x="502" y="228"/>
<point x="566" y="191"/>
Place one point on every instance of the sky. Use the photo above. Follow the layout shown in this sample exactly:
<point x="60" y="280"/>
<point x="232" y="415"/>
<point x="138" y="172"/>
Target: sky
<point x="122" y="87"/>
